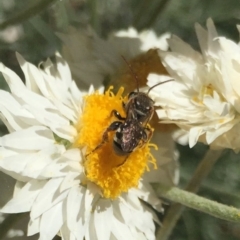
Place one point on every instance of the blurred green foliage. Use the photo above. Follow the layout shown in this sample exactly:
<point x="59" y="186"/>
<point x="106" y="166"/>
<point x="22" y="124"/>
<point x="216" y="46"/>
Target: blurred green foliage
<point x="32" y="34"/>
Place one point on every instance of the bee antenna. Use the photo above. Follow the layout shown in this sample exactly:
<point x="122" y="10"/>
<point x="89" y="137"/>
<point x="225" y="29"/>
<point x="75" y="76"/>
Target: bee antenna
<point x="170" y="80"/>
<point x="135" y="75"/>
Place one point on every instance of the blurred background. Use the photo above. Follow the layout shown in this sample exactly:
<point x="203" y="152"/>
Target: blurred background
<point x="29" y="27"/>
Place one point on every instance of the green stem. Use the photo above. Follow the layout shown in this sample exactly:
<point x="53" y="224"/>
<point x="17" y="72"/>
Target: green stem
<point x="26" y="14"/>
<point x="176" y="209"/>
<point x="200" y="203"/>
<point x="213" y="187"/>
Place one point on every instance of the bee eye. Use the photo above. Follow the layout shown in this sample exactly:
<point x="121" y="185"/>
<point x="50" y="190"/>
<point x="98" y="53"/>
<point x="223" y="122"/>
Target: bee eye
<point x="138" y="103"/>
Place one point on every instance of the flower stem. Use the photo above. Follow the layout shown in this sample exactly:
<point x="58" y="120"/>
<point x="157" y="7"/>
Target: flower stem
<point x="211" y="186"/>
<point x="176" y="209"/>
<point x="202" y="204"/>
<point x="26" y="14"/>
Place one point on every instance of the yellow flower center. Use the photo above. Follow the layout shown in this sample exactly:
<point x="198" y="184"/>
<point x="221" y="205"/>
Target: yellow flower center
<point x="114" y="174"/>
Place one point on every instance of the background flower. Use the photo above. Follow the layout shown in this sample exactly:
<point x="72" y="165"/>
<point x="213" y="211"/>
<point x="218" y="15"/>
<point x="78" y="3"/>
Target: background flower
<point x="95" y="61"/>
<point x="203" y="98"/>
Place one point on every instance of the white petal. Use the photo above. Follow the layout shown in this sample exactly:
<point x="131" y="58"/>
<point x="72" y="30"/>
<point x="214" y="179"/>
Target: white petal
<point x="24" y="200"/>
<point x="13" y="111"/>
<point x="48" y="197"/>
<point x="71" y="180"/>
<point x="212" y="34"/>
<point x="30" y="72"/>
<point x="4" y="153"/>
<point x="40" y="165"/>
<point x="76" y="93"/>
<point x="73" y="154"/>
<point x="48" y="116"/>
<point x="33" y="226"/>
<point x="91" y="193"/>
<point x="146" y="193"/>
<point x="67" y="131"/>
<point x="64" y="70"/>
<point x="33" y="138"/>
<point x="51" y="222"/>
<point x="177" y="45"/>
<point x="194" y="135"/>
<point x="17" y="188"/>
<point x="54" y="170"/>
<point x="202" y="37"/>
<point x="121" y="230"/>
<point x="75" y="212"/>
<point x="212" y="135"/>
<point x="103" y="214"/>
<point x="14" y="82"/>
<point x="21" y="92"/>
<point x="74" y="159"/>
<point x="66" y="111"/>
<point x="65" y="233"/>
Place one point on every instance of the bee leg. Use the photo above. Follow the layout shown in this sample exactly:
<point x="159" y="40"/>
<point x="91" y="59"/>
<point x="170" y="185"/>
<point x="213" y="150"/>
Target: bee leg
<point x="147" y="134"/>
<point x="113" y="127"/>
<point x="117" y="115"/>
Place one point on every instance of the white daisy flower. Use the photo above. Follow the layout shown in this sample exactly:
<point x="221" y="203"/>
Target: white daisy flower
<point x="53" y="125"/>
<point x="94" y="60"/>
<point x="98" y="61"/>
<point x="204" y="99"/>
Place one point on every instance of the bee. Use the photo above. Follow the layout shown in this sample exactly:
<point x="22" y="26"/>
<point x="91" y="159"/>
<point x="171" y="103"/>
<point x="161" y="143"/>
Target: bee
<point x="129" y="135"/>
<point x="131" y="132"/>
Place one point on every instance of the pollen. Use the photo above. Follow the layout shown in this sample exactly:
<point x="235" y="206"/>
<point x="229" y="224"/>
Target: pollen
<point x="114" y="174"/>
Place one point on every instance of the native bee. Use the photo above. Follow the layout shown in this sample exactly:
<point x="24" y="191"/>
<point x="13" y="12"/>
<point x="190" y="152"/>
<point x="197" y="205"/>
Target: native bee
<point x="131" y="131"/>
<point x="129" y="135"/>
